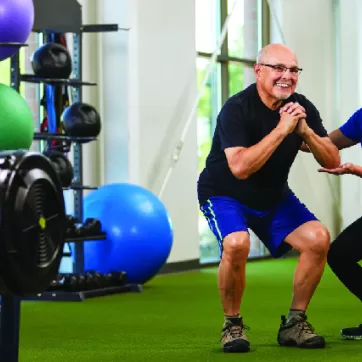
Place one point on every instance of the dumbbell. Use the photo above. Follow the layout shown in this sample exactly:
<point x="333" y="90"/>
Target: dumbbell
<point x="98" y="279"/>
<point x="70" y="226"/>
<point x="93" y="279"/>
<point x="91" y="227"/>
<point x="118" y="278"/>
<point x="56" y="284"/>
<point x="82" y="284"/>
<point x="71" y="283"/>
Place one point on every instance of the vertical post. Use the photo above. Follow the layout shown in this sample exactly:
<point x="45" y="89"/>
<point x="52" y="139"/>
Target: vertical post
<point x="9" y="332"/>
<point x="265" y="23"/>
<point x="335" y="182"/>
<point x="78" y="266"/>
<point x="10" y="305"/>
<point x="15" y="72"/>
<point x="224" y="51"/>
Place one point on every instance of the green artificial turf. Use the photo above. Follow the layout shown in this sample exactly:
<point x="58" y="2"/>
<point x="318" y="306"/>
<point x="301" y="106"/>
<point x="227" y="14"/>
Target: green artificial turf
<point x="178" y="318"/>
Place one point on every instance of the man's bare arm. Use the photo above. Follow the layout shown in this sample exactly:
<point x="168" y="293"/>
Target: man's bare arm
<point x="245" y="161"/>
<point x="304" y="147"/>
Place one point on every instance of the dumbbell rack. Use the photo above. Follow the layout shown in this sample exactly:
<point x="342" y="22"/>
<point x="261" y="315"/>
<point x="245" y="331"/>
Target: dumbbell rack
<point x="59" y="16"/>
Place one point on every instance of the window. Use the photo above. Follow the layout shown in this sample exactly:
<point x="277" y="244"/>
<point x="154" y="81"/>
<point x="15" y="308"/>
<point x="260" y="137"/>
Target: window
<point x="232" y="72"/>
<point x="5" y="72"/>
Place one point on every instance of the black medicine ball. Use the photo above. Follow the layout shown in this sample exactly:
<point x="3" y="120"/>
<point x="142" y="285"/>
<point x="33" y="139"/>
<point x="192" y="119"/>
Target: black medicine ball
<point x="81" y="120"/>
<point x="52" y="61"/>
<point x="62" y="166"/>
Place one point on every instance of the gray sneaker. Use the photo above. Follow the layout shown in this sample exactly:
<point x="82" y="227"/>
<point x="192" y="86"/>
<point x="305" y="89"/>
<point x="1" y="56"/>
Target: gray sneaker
<point x="299" y="333"/>
<point x="234" y="338"/>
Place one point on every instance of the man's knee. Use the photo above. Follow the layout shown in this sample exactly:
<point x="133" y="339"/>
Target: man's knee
<point x="237" y="245"/>
<point x="318" y="240"/>
<point x="311" y="237"/>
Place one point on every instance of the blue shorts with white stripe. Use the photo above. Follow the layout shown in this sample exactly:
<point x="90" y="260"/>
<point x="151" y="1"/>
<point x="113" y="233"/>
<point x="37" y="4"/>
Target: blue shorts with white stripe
<point x="226" y="215"/>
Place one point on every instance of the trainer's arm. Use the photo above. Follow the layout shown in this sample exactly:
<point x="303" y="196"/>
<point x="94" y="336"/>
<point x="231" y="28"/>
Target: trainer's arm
<point x="324" y="151"/>
<point x="340" y="140"/>
<point x="245" y="161"/>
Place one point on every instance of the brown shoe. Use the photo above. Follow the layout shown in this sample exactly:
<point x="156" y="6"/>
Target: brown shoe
<point x="234" y="338"/>
<point x="299" y="333"/>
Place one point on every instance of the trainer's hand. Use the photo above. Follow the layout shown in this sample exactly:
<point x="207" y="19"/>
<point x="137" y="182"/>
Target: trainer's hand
<point x="346" y="168"/>
<point x="292" y="108"/>
<point x="288" y="122"/>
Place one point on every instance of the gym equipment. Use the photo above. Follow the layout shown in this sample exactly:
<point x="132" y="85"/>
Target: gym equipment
<point x="118" y="278"/>
<point x="57" y="283"/>
<point x="81" y="120"/>
<point x="17" y="124"/>
<point x="91" y="227"/>
<point x="16" y="23"/>
<point x="88" y="281"/>
<point x="54" y="19"/>
<point x="70" y="282"/>
<point x="31" y="237"/>
<point x="32" y="223"/>
<point x="70" y="226"/>
<point x="52" y="61"/>
<point x="62" y="166"/>
<point x="138" y="228"/>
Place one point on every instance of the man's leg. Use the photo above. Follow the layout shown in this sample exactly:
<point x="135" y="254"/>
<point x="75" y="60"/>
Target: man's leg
<point x="227" y="222"/>
<point x="231" y="278"/>
<point x="343" y="257"/>
<point x="292" y="225"/>
<point x="312" y="240"/>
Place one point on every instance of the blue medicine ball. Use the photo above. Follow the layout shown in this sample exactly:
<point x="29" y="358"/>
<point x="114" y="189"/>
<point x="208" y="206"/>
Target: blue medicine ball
<point x="139" y="231"/>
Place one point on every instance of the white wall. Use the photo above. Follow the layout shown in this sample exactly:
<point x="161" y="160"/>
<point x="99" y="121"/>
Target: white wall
<point x="350" y="100"/>
<point x="311" y="37"/>
<point x="146" y="87"/>
<point x="165" y="74"/>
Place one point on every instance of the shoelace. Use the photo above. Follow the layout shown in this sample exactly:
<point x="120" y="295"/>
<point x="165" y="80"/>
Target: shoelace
<point x="305" y="327"/>
<point x="236" y="331"/>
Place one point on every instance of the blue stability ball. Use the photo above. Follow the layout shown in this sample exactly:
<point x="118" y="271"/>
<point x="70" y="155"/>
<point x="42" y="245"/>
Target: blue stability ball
<point x="138" y="227"/>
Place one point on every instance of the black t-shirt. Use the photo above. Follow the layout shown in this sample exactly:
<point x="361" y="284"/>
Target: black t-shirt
<point x="243" y="121"/>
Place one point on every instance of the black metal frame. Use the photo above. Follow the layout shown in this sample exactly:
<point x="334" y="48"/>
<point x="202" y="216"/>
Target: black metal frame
<point x="78" y="154"/>
<point x="10" y="305"/>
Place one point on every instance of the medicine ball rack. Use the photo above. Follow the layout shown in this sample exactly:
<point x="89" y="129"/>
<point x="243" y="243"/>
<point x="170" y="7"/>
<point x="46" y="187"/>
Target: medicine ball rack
<point x="65" y="16"/>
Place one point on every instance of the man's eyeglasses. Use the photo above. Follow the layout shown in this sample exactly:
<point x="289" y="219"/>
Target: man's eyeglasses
<point x="282" y="69"/>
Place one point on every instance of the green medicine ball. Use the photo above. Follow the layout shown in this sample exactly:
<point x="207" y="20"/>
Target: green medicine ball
<point x="16" y="121"/>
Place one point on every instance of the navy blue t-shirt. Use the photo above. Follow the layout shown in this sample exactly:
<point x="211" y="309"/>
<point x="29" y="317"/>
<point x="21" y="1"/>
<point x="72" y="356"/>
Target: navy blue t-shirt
<point x="353" y="127"/>
<point x="243" y="121"/>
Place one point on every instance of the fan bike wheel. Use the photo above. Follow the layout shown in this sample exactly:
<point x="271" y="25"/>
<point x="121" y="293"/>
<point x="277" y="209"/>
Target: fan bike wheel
<point x="32" y="223"/>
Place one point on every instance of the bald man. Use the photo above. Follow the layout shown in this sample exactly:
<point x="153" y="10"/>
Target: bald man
<point x="244" y="185"/>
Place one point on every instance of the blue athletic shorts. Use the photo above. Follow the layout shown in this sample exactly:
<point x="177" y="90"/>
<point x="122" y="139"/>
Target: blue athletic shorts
<point x="226" y="215"/>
